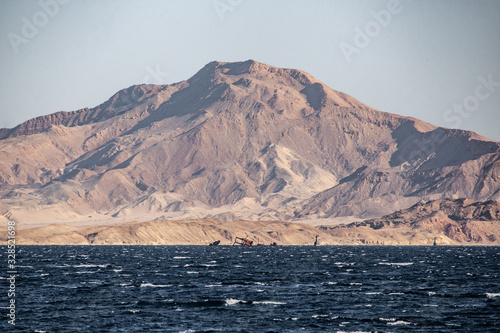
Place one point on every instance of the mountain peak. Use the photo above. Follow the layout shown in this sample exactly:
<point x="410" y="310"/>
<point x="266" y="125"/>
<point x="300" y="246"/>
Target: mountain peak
<point x="253" y="67"/>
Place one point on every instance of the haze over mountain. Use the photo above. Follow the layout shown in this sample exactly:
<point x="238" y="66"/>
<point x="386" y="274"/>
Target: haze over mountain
<point x="236" y="141"/>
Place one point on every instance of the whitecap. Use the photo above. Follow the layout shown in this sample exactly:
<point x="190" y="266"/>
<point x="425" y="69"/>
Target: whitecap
<point x="491" y="295"/>
<point x="143" y="285"/>
<point x="182" y="258"/>
<point x="319" y="316"/>
<point x="89" y="265"/>
<point x="373" y="293"/>
<point x="399" y="322"/>
<point x="233" y="301"/>
<point x="341" y="264"/>
<point x="269" y="302"/>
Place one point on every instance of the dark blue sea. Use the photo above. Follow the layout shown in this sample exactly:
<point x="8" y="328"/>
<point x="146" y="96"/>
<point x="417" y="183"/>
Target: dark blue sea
<point x="254" y="289"/>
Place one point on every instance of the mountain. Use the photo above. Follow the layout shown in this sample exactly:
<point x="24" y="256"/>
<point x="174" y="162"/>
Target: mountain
<point x="236" y="141"/>
<point x="185" y="232"/>
<point x="460" y="221"/>
<point x="444" y="221"/>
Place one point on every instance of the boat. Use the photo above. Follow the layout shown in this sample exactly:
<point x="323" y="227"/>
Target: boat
<point x="243" y="241"/>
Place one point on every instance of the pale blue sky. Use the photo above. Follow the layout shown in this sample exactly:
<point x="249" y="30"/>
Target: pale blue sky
<point x="428" y="56"/>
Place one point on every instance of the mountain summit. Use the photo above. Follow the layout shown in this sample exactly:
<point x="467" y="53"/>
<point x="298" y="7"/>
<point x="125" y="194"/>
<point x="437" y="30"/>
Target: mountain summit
<point x="236" y="140"/>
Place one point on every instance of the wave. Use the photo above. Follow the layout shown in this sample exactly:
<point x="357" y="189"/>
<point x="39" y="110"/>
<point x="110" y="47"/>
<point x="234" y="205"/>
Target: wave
<point x="234" y="301"/>
<point x="269" y="302"/>
<point x="387" y="319"/>
<point x="89" y="265"/>
<point x="399" y="322"/>
<point x="144" y="285"/>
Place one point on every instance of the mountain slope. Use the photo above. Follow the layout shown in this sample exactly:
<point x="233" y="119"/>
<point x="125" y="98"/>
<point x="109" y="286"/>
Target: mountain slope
<point x="237" y="140"/>
<point x="460" y="221"/>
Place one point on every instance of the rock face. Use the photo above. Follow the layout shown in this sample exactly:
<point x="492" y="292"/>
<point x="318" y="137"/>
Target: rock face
<point x="186" y="232"/>
<point x="449" y="222"/>
<point x="460" y="221"/>
<point x="236" y="141"/>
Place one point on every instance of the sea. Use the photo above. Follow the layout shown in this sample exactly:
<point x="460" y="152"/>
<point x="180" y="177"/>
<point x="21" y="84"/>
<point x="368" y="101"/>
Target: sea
<point x="252" y="289"/>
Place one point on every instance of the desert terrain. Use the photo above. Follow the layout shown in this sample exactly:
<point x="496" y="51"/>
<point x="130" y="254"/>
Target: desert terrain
<point x="235" y="143"/>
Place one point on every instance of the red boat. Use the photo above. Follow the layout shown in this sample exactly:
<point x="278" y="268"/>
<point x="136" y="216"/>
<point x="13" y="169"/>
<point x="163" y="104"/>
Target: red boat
<point x="243" y="241"/>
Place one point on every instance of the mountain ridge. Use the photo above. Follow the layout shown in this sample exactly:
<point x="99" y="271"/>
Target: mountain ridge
<point x="459" y="221"/>
<point x="244" y="139"/>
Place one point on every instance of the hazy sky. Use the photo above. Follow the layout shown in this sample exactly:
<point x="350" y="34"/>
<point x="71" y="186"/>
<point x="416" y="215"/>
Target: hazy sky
<point x="438" y="61"/>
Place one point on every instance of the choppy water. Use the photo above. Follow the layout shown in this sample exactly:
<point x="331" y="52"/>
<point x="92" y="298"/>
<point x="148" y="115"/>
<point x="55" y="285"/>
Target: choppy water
<point x="258" y="289"/>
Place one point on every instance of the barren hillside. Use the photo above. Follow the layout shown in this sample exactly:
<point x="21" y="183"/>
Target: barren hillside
<point x="236" y="141"/>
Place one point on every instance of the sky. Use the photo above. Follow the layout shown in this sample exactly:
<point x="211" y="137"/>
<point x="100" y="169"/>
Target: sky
<point x="435" y="60"/>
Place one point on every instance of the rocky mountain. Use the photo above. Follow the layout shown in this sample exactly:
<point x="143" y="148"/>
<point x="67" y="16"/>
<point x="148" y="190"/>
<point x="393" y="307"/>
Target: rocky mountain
<point x="236" y="141"/>
<point x="445" y="221"/>
<point x="185" y="232"/>
<point x="460" y="221"/>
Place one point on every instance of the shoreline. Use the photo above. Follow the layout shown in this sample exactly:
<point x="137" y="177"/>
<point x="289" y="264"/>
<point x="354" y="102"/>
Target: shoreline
<point x="202" y="232"/>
